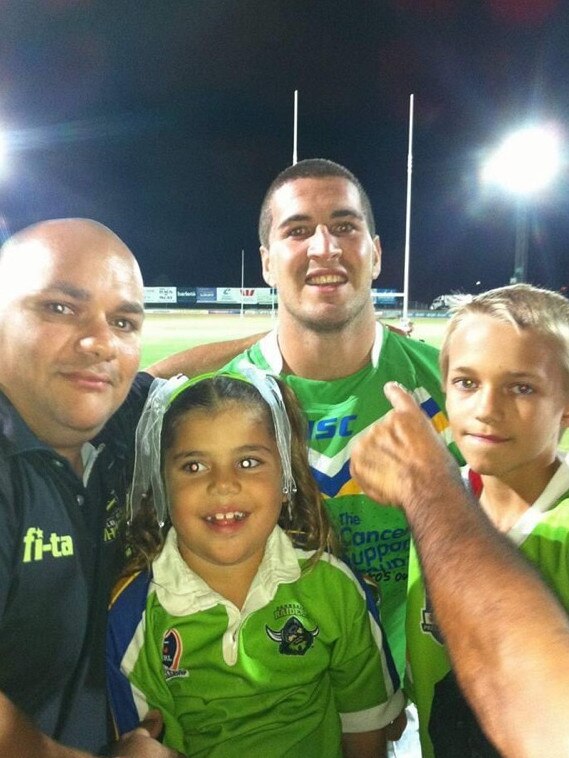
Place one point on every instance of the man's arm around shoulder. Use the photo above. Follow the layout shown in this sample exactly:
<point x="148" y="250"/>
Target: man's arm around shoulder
<point x="202" y="358"/>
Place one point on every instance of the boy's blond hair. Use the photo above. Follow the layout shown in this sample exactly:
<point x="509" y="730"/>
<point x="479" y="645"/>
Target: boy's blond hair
<point x="525" y="307"/>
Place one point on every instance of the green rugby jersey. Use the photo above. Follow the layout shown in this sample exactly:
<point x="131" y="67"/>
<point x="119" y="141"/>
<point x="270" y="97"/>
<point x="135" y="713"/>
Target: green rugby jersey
<point x="376" y="539"/>
<point x="542" y="535"/>
<point x="299" y="664"/>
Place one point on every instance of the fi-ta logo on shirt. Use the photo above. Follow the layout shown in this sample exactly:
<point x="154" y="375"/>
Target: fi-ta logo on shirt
<point x="36" y="545"/>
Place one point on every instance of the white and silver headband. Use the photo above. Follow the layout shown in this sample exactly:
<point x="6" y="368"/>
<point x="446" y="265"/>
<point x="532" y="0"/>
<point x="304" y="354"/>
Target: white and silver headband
<point x="147" y="473"/>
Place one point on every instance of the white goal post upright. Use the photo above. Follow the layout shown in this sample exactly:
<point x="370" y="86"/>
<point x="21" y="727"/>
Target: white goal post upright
<point x="405" y="317"/>
<point x="242" y="282"/>
<point x="295" y="130"/>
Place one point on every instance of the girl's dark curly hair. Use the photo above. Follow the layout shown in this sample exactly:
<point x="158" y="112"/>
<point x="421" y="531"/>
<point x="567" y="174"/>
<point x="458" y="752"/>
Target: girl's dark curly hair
<point x="307" y="525"/>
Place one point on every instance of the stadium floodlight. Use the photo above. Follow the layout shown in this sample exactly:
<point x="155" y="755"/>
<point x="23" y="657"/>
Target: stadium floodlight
<point x="525" y="163"/>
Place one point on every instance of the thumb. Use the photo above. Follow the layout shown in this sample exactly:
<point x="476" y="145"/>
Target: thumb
<point x="399" y="396"/>
<point x="153" y="723"/>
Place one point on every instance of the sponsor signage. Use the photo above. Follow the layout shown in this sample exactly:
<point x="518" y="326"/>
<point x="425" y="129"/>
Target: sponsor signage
<point x="187" y="295"/>
<point x="206" y="294"/>
<point x="157" y="295"/>
<point x="236" y="295"/>
<point x="384" y="297"/>
<point x="266" y="296"/>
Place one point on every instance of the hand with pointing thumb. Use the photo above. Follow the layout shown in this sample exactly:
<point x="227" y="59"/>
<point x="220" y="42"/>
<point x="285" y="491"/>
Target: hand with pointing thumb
<point x="401" y="454"/>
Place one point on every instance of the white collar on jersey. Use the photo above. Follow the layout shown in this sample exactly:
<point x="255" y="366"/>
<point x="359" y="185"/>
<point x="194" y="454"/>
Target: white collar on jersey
<point x="557" y="486"/>
<point x="269" y="346"/>
<point x="182" y="592"/>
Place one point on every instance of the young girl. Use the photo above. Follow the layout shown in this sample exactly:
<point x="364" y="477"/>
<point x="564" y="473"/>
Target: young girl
<point x="246" y="633"/>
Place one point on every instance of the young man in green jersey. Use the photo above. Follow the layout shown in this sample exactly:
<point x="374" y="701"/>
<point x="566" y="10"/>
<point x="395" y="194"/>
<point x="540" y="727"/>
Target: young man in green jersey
<point x="320" y="250"/>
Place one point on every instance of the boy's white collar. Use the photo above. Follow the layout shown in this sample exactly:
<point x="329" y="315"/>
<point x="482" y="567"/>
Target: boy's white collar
<point x="557" y="486"/>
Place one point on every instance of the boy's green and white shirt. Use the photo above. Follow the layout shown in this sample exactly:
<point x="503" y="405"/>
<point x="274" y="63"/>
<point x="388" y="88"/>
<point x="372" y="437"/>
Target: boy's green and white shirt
<point x="376" y="539"/>
<point x="301" y="662"/>
<point x="542" y="535"/>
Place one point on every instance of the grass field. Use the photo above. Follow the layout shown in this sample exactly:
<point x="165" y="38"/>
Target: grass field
<point x="167" y="333"/>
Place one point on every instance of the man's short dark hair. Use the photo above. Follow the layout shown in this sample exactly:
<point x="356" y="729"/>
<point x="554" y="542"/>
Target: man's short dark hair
<point x="312" y="168"/>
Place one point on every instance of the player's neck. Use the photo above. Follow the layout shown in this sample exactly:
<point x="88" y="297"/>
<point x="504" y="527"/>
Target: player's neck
<point x="503" y="505"/>
<point x="325" y="355"/>
<point x="506" y="498"/>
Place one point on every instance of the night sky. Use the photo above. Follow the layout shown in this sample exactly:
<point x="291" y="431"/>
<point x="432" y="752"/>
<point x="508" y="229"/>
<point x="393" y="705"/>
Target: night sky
<point x="167" y="120"/>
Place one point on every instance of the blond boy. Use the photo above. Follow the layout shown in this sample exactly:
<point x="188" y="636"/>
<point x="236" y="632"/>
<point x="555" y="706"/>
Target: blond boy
<point x="505" y="370"/>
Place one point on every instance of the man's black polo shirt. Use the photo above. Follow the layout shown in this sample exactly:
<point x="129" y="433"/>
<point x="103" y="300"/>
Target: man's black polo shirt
<point x="59" y="554"/>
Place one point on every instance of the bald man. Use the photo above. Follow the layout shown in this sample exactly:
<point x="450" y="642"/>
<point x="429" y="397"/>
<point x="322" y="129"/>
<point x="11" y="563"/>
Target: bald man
<point x="71" y="312"/>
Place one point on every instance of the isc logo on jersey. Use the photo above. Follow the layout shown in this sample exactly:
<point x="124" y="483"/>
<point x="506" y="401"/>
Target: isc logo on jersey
<point x="327" y="428"/>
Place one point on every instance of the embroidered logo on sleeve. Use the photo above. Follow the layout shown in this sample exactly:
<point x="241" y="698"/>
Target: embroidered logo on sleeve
<point x="171" y="654"/>
<point x="429" y="623"/>
<point x="293" y="638"/>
